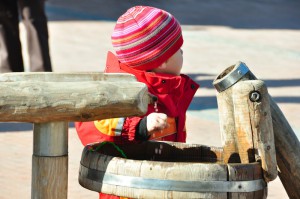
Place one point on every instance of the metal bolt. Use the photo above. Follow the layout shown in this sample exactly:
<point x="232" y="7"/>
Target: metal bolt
<point x="255" y="96"/>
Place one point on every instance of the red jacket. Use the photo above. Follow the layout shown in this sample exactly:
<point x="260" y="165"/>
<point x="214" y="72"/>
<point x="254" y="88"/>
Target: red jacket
<point x="174" y="96"/>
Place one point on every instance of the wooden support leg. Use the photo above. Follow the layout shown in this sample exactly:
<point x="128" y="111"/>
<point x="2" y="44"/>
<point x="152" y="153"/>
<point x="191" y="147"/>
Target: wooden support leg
<point x="287" y="152"/>
<point x="50" y="161"/>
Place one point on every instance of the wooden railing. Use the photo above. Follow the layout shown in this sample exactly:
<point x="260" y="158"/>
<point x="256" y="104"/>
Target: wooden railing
<point x="50" y="101"/>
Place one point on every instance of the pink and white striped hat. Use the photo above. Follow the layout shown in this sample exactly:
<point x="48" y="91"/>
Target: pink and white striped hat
<point x="145" y="37"/>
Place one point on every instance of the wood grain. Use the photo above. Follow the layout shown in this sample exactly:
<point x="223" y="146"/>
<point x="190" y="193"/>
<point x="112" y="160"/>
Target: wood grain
<point x="254" y="127"/>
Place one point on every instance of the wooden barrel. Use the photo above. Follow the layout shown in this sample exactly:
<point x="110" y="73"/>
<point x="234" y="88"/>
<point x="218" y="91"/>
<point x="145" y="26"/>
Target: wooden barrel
<point x="168" y="170"/>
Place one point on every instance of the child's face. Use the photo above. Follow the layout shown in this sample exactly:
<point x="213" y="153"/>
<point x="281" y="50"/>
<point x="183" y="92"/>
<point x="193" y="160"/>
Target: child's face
<point x="173" y="65"/>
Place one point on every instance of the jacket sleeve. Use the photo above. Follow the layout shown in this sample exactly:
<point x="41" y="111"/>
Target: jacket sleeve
<point x="117" y="130"/>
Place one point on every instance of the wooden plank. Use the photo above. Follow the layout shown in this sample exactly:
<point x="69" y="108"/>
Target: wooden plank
<point x="71" y="101"/>
<point x="165" y="171"/>
<point x="241" y="172"/>
<point x="243" y="123"/>
<point x="184" y="172"/>
<point x="94" y="161"/>
<point x="254" y="125"/>
<point x="227" y="126"/>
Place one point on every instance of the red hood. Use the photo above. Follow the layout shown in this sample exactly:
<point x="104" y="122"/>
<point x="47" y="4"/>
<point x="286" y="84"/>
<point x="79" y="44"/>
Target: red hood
<point x="174" y="93"/>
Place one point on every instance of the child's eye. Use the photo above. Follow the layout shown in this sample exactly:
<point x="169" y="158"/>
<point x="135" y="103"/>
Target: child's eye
<point x="181" y="51"/>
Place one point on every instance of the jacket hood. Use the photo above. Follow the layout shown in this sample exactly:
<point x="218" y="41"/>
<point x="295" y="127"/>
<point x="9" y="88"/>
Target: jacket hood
<point x="174" y="93"/>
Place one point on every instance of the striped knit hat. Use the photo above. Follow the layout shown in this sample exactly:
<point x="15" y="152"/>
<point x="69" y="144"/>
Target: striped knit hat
<point x="145" y="37"/>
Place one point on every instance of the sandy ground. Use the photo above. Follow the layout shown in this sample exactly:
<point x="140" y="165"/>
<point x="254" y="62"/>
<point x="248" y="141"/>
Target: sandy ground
<point x="217" y="34"/>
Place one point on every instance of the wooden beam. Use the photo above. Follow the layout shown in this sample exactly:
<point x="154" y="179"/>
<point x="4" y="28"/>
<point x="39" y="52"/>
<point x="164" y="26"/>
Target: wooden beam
<point x="38" y="102"/>
<point x="287" y="152"/>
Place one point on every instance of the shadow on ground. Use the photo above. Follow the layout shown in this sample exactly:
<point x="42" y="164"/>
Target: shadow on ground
<point x="256" y="14"/>
<point x="270" y="83"/>
<point x="210" y="102"/>
<point x="6" y="127"/>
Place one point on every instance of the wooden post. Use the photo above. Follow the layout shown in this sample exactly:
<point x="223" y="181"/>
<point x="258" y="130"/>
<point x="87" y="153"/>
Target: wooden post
<point x="50" y="161"/>
<point x="287" y="145"/>
<point x="226" y="113"/>
<point x="253" y="124"/>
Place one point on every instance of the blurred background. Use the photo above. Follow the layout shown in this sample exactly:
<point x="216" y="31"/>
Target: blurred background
<point x="217" y="34"/>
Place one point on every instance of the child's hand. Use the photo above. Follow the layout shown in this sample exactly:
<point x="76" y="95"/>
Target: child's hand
<point x="156" y="122"/>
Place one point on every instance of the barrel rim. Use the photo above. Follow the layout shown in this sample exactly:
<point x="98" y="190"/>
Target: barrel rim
<point x="192" y="152"/>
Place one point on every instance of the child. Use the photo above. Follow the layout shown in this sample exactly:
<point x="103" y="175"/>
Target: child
<point x="147" y="42"/>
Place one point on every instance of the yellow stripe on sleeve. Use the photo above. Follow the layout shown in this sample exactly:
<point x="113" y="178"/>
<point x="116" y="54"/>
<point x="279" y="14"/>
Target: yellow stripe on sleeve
<point x="110" y="127"/>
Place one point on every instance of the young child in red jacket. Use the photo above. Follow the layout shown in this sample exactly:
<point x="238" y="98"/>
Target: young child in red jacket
<point x="147" y="42"/>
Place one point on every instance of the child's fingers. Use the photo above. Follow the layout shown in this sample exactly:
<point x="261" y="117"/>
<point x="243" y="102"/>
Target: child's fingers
<point x="156" y="121"/>
<point x="161" y="121"/>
